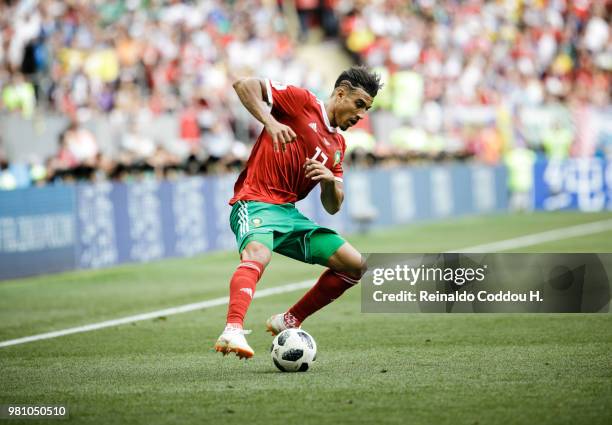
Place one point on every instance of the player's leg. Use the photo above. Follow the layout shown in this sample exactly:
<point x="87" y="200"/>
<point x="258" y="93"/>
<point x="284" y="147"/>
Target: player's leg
<point x="255" y="247"/>
<point x="349" y="262"/>
<point x="254" y="258"/>
<point x="345" y="268"/>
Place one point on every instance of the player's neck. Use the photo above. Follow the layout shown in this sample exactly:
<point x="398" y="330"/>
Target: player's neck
<point x="329" y="110"/>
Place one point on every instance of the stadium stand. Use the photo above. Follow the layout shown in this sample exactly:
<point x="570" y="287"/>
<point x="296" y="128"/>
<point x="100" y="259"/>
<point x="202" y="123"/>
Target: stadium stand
<point x="118" y="90"/>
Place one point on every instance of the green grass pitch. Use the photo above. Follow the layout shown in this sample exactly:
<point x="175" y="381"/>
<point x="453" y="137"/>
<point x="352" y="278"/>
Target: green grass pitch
<point x="371" y="368"/>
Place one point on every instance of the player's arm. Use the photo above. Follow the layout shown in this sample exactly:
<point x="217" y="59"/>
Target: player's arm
<point x="332" y="193"/>
<point x="252" y="93"/>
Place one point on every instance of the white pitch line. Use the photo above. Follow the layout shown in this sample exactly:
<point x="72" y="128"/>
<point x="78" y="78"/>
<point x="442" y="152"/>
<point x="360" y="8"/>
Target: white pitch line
<point x="154" y="314"/>
<point x="539" y="238"/>
<point x="523" y="241"/>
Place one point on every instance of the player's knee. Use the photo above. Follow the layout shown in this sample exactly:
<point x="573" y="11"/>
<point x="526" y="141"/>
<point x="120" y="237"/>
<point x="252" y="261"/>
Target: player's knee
<point x="349" y="261"/>
<point x="363" y="268"/>
<point x="256" y="251"/>
<point x="358" y="269"/>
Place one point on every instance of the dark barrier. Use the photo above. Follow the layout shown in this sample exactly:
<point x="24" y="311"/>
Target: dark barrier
<point x="37" y="231"/>
<point x="90" y="226"/>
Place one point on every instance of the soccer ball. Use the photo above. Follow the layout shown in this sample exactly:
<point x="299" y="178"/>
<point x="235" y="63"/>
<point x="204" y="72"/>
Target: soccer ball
<point x="293" y="350"/>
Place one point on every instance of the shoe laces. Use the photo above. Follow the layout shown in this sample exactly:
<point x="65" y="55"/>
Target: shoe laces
<point x="290" y="320"/>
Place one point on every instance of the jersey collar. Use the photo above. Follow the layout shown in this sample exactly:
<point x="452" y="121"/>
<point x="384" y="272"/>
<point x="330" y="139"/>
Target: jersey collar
<point x="325" y="119"/>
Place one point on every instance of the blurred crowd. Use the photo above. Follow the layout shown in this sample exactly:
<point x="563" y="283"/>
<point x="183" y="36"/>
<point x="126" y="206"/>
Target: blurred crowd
<point x="133" y="64"/>
<point x="144" y="86"/>
<point x="479" y="78"/>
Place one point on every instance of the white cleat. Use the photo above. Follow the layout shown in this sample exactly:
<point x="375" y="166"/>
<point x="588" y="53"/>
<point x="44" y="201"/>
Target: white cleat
<point x="279" y="322"/>
<point x="232" y="340"/>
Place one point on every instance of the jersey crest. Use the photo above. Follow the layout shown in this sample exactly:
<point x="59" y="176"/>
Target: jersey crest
<point x="337" y="157"/>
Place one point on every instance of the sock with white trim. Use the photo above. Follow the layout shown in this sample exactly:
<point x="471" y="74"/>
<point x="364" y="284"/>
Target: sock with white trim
<point x="330" y="286"/>
<point x="242" y="289"/>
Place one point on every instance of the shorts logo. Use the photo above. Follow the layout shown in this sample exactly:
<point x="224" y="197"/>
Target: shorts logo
<point x="337" y="156"/>
<point x="257" y="221"/>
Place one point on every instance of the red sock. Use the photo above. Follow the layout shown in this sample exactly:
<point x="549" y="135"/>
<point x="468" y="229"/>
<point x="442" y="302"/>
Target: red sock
<point x="329" y="287"/>
<point x="242" y="289"/>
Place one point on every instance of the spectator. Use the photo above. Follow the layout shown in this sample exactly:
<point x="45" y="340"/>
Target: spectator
<point x="18" y="96"/>
<point x="81" y="144"/>
<point x="557" y="141"/>
<point x="7" y="179"/>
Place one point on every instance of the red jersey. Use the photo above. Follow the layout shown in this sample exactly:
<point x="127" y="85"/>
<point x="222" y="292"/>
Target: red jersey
<point x="279" y="177"/>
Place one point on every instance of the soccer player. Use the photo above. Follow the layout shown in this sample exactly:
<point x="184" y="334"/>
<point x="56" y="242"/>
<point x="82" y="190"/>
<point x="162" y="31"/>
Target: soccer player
<point x="298" y="148"/>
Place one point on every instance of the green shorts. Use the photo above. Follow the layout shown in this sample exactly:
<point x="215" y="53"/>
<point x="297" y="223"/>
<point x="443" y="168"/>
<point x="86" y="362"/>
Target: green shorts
<point x="283" y="229"/>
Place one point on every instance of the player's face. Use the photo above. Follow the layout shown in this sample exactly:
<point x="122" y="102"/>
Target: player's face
<point x="351" y="106"/>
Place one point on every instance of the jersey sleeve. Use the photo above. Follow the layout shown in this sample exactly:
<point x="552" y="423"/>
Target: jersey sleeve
<point x="287" y="99"/>
<point x="337" y="170"/>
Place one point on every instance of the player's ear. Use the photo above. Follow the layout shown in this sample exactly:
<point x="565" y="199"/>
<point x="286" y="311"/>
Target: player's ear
<point x="340" y="92"/>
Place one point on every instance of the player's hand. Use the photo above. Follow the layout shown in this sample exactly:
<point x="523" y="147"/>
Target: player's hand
<point x="281" y="134"/>
<point x="317" y="171"/>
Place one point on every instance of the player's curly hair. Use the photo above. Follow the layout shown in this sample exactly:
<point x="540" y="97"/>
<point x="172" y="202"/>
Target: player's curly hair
<point x="360" y="76"/>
